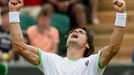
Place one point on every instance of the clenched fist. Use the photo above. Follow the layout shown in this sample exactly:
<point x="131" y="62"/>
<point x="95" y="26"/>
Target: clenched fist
<point x="15" y="5"/>
<point x="120" y="6"/>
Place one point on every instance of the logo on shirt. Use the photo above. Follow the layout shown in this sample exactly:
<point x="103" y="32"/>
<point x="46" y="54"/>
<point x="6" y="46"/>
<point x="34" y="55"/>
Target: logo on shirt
<point x="86" y="63"/>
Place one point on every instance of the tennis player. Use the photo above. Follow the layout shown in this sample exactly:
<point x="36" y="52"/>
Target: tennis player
<point x="79" y="59"/>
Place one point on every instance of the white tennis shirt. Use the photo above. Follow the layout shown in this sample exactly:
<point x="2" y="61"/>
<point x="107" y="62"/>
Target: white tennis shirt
<point x="52" y="64"/>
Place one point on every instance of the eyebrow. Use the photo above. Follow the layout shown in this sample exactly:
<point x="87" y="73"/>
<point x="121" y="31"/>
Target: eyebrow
<point x="81" y="30"/>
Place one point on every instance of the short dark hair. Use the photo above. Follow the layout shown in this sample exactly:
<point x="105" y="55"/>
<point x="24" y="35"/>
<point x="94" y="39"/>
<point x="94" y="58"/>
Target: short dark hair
<point x="4" y="11"/>
<point x="90" y="41"/>
<point x="44" y="12"/>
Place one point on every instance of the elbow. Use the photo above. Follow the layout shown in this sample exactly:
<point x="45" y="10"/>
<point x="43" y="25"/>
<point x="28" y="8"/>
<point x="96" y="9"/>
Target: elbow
<point x="114" y="49"/>
<point x="36" y="62"/>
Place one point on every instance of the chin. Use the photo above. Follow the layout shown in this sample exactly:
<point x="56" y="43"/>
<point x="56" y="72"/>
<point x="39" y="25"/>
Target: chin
<point x="74" y="41"/>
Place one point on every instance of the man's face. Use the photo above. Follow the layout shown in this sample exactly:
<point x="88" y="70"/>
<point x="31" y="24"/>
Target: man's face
<point x="79" y="37"/>
<point x="5" y="20"/>
<point x="43" y="21"/>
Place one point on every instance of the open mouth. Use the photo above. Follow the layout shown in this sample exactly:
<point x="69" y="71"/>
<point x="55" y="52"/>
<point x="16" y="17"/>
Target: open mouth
<point x="74" y="36"/>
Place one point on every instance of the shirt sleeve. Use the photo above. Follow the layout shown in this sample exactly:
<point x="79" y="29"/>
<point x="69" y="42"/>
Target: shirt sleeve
<point x="46" y="61"/>
<point x="95" y="63"/>
<point x="40" y="65"/>
<point x="43" y="56"/>
<point x="99" y="68"/>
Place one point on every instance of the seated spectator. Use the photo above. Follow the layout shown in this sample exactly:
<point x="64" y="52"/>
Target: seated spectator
<point x="3" y="3"/>
<point x="5" y="40"/>
<point x="91" y="9"/>
<point x="6" y="53"/>
<point x="43" y="35"/>
<point x="94" y="7"/>
<point x="73" y="8"/>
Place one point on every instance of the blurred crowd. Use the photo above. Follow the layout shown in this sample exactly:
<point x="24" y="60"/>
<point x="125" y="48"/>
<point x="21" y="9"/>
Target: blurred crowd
<point x="45" y="24"/>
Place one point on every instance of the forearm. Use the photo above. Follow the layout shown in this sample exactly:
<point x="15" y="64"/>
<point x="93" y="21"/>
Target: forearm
<point x="109" y="51"/>
<point x="16" y="33"/>
<point x="28" y="52"/>
<point x="117" y="36"/>
<point x="116" y="39"/>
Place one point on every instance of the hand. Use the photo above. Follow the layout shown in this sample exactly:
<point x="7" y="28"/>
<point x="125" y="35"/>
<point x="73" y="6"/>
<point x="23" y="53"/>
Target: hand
<point x="120" y="6"/>
<point x="15" y="5"/>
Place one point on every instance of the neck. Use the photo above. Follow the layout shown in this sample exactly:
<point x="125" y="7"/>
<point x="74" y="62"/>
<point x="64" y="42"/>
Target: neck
<point x="75" y="52"/>
<point x="41" y="29"/>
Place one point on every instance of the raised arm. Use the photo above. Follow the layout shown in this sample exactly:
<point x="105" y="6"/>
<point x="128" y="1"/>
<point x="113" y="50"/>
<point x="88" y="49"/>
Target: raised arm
<point x="109" y="51"/>
<point x="28" y="52"/>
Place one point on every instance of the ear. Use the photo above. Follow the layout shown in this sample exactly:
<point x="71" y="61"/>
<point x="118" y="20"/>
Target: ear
<point x="87" y="46"/>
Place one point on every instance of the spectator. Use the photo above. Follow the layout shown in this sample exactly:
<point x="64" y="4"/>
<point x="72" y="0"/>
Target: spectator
<point x="5" y="40"/>
<point x="43" y="35"/>
<point x="3" y="3"/>
<point x="92" y="9"/>
<point x="48" y="7"/>
<point x="6" y="53"/>
<point x="73" y="8"/>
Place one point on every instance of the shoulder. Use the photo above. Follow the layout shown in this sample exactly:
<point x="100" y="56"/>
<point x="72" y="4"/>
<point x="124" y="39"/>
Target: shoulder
<point x="50" y="55"/>
<point x="31" y="29"/>
<point x="93" y="57"/>
<point x="55" y="30"/>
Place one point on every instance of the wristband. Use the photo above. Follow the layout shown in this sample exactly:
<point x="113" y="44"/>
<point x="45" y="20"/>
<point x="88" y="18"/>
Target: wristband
<point x="121" y="19"/>
<point x="14" y="17"/>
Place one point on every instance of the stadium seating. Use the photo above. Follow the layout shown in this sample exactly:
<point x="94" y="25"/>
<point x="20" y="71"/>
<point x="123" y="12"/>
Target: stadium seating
<point x="26" y="21"/>
<point x="61" y="22"/>
<point x="104" y="30"/>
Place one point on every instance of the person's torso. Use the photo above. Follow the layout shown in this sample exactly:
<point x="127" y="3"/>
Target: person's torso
<point x="42" y="40"/>
<point x="64" y="66"/>
<point x="5" y="40"/>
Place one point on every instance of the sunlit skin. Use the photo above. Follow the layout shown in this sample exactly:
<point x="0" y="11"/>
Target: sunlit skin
<point x="76" y="43"/>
